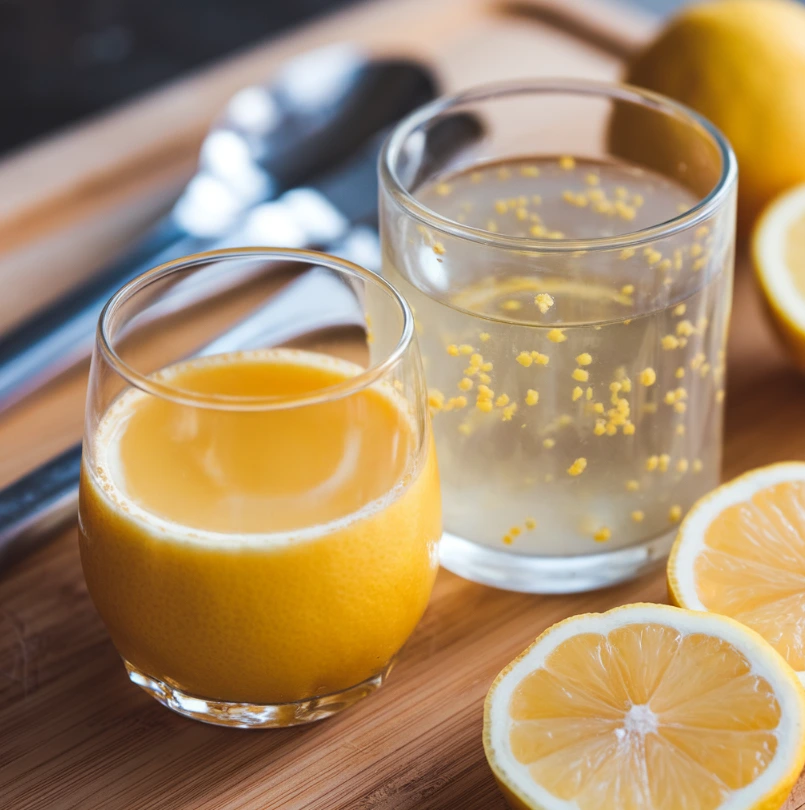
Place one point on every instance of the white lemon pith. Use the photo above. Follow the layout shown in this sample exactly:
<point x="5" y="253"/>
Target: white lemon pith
<point x="646" y="707"/>
<point x="778" y="252"/>
<point x="741" y="552"/>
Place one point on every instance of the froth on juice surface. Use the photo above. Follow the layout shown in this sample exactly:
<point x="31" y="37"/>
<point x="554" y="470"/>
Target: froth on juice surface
<point x="260" y="556"/>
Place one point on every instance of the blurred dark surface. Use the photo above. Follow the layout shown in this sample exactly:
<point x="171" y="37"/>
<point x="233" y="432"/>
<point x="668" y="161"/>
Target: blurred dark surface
<point x="61" y="60"/>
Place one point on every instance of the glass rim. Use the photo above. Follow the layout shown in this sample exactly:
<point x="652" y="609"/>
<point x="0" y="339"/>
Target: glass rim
<point x="699" y="212"/>
<point x="143" y="382"/>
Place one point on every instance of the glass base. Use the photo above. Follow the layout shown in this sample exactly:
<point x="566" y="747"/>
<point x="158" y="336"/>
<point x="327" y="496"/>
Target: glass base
<point x="550" y="575"/>
<point x="250" y="715"/>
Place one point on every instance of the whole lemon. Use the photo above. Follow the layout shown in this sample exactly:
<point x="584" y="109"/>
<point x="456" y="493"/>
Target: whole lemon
<point x="741" y="64"/>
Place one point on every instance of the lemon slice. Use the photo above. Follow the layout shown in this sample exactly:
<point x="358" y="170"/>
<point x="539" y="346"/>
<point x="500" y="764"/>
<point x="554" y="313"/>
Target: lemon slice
<point x="646" y="707"/>
<point x="778" y="253"/>
<point x="741" y="552"/>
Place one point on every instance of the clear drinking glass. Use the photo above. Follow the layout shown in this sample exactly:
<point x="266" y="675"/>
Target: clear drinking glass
<point x="570" y="274"/>
<point x="259" y="501"/>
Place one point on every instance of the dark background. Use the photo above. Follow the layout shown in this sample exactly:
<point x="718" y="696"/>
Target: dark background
<point x="61" y="60"/>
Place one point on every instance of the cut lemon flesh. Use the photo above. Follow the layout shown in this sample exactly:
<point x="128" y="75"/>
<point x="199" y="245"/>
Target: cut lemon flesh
<point x="646" y="707"/>
<point x="741" y="552"/>
<point x="778" y="252"/>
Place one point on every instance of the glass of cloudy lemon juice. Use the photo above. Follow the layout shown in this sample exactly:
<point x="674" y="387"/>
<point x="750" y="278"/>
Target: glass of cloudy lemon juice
<point x="570" y="276"/>
<point x="259" y="513"/>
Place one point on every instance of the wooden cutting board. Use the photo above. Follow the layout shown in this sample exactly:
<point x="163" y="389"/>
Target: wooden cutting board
<point x="73" y="732"/>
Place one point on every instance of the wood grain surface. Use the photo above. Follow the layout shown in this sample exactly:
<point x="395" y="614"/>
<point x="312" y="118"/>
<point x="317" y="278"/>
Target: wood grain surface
<point x="74" y="734"/>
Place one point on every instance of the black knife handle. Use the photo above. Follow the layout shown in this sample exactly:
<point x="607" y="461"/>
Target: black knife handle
<point x="39" y="503"/>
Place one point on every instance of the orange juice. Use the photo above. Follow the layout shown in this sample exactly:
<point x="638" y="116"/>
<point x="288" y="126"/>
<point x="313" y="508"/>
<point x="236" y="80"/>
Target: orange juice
<point x="260" y="556"/>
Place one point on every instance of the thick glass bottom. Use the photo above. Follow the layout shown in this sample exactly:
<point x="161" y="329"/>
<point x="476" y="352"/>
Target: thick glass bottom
<point x="550" y="575"/>
<point x="250" y="715"/>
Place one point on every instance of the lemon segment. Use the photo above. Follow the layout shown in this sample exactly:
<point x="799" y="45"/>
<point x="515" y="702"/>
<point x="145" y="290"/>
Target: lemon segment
<point x="646" y="707"/>
<point x="778" y="254"/>
<point x="740" y="552"/>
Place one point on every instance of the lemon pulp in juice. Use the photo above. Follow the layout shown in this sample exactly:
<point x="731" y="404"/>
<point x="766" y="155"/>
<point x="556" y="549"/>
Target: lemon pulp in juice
<point x="261" y="556"/>
<point x="576" y="398"/>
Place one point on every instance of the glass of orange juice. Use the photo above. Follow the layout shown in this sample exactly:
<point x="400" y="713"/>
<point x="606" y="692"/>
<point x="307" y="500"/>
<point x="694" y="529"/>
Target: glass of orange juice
<point x="259" y="503"/>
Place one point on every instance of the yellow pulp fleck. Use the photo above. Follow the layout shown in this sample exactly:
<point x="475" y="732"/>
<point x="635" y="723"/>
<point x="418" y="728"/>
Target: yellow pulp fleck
<point x="435" y="400"/>
<point x="626" y="253"/>
<point x="564" y="420"/>
<point x="438" y="249"/>
<point x="484" y="378"/>
<point x="524" y="359"/>
<point x="627" y="322"/>
<point x="509" y="411"/>
<point x="602" y="535"/>
<point x="484" y="336"/>
<point x="685" y="328"/>
<point x="627" y="289"/>
<point x="567" y="163"/>
<point x="511" y="305"/>
<point x="529" y="171"/>
<point x="652" y="256"/>
<point x="501" y="206"/>
<point x="502" y="400"/>
<point x="637" y="516"/>
<point x="484" y="405"/>
<point x="544" y="302"/>
<point x="675" y="513"/>
<point x="680" y="407"/>
<point x="604" y="207"/>
<point x="651" y="463"/>
<point x="680" y="310"/>
<point x="615" y="386"/>
<point x="663" y="461"/>
<point x="697" y="465"/>
<point x="464" y="429"/>
<point x="704" y="370"/>
<point x="521" y="214"/>
<point x="600" y="427"/>
<point x="720" y="395"/>
<point x="465" y="348"/>
<point x="696" y="250"/>
<point x="452" y="350"/>
<point x="632" y="485"/>
<point x="592" y="179"/>
<point x="530" y="524"/>
<point x="611" y="429"/>
<point x="465" y="384"/>
<point x="584" y="359"/>
<point x="580" y="374"/>
<point x="669" y="398"/>
<point x="699" y="264"/>
<point x="540" y="359"/>
<point x="702" y="231"/>
<point x="625" y="211"/>
<point x="663" y="267"/>
<point x="598" y="407"/>
<point x="531" y="397"/>
<point x="485" y="391"/>
<point x="628" y="429"/>
<point x="669" y="342"/>
<point x="648" y="377"/>
<point x="514" y="531"/>
<point x="487" y="366"/>
<point x="443" y="189"/>
<point x="537" y="230"/>
<point x="680" y="373"/>
<point x="682" y="465"/>
<point x="476" y="360"/>
<point x="504" y="173"/>
<point x="637" y="200"/>
<point x="621" y="192"/>
<point x="588" y="394"/>
<point x="507" y="539"/>
<point x="577" y="467"/>
<point x="578" y="393"/>
<point x="492" y="226"/>
<point x="548" y="443"/>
